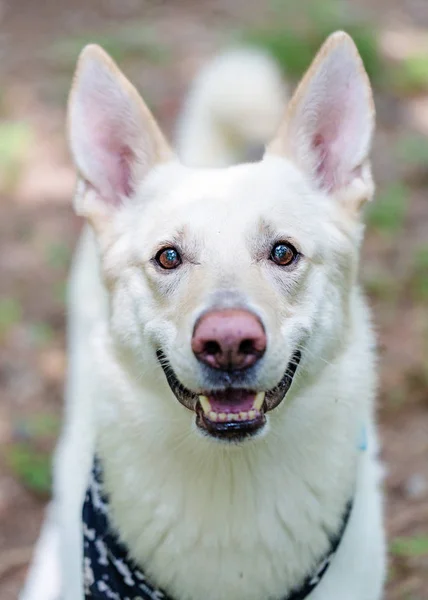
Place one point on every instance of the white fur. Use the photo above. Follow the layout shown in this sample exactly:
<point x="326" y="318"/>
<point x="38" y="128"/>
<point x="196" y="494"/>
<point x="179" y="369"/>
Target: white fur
<point x="235" y="104"/>
<point x="205" y="519"/>
<point x="43" y="580"/>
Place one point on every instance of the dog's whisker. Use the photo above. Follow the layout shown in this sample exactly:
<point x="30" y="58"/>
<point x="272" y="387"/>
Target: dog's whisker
<point x="306" y="350"/>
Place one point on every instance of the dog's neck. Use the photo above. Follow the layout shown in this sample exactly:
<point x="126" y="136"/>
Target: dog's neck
<point x="251" y="520"/>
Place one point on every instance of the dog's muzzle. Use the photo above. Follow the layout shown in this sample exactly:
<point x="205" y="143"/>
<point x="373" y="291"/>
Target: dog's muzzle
<point x="231" y="413"/>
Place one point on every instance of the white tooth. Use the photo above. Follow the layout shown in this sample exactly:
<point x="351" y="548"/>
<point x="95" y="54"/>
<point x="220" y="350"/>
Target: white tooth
<point x="222" y="416"/>
<point x="213" y="416"/>
<point x="205" y="403"/>
<point x="235" y="416"/>
<point x="258" y="402"/>
<point x="243" y="415"/>
<point x="229" y="417"/>
<point x="252" y="414"/>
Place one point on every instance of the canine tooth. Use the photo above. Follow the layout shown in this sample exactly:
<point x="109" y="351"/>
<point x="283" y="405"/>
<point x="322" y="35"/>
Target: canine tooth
<point x="243" y="415"/>
<point x="205" y="403"/>
<point x="252" y="414"/>
<point x="260" y="396"/>
<point x="213" y="416"/>
<point x="222" y="416"/>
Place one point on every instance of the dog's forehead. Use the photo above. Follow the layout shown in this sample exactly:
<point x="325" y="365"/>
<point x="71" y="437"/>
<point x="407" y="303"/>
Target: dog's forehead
<point x="238" y="197"/>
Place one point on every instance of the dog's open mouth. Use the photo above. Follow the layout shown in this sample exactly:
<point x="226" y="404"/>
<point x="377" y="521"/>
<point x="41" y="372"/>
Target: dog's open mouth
<point x="232" y="413"/>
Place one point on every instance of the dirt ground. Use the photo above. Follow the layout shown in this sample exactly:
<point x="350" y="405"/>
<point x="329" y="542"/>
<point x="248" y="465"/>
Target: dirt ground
<point x="38" y="45"/>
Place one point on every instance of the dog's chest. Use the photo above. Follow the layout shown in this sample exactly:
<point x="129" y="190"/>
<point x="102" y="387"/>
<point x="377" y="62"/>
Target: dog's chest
<point x="226" y="541"/>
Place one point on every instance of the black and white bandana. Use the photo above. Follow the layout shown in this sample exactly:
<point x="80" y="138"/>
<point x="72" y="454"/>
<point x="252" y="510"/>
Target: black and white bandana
<point x="110" y="573"/>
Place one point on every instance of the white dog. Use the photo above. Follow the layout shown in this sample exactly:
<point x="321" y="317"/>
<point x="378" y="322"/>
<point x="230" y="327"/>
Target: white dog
<point x="222" y="376"/>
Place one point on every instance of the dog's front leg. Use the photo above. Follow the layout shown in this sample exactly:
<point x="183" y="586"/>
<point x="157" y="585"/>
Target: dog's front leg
<point x="73" y="463"/>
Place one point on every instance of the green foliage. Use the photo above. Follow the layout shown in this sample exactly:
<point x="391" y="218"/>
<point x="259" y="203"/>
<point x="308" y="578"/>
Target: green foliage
<point x="132" y="39"/>
<point x="41" y="334"/>
<point x="412" y="150"/>
<point x="387" y="212"/>
<point x="15" y="139"/>
<point x="33" y="468"/>
<point x="410" y="547"/>
<point x="10" y="314"/>
<point x="382" y="286"/>
<point x="60" y="291"/>
<point x="58" y="255"/>
<point x="397" y="397"/>
<point x="290" y="49"/>
<point x="301" y="28"/>
<point x="419" y="277"/>
<point x="411" y="75"/>
<point x="39" y="427"/>
<point x="29" y="458"/>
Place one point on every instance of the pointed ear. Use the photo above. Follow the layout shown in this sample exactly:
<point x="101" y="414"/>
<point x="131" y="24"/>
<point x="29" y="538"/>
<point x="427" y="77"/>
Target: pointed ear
<point x="113" y="137"/>
<point x="328" y="126"/>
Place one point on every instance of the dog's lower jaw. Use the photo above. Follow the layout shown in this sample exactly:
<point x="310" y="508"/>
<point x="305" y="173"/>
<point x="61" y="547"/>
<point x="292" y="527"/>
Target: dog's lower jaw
<point x="230" y="431"/>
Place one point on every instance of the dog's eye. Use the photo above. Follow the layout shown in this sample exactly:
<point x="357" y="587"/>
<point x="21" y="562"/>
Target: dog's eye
<point x="283" y="254"/>
<point x="168" y="258"/>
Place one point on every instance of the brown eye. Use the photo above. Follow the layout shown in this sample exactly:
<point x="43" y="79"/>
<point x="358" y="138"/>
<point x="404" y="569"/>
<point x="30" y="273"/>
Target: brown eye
<point x="168" y="258"/>
<point x="283" y="254"/>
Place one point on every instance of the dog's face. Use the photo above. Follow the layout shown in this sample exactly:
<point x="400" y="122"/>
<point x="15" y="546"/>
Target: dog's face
<point x="235" y="279"/>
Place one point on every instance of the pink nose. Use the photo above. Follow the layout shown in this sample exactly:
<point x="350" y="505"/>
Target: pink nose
<point x="229" y="339"/>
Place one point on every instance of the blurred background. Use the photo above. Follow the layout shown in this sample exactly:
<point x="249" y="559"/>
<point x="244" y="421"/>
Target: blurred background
<point x="160" y="46"/>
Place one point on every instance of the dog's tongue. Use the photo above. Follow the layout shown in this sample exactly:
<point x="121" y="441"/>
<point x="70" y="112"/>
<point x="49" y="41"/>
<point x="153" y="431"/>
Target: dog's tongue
<point x="232" y="401"/>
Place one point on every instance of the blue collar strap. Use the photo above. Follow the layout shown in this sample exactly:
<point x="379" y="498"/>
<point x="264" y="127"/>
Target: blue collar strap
<point x="110" y="573"/>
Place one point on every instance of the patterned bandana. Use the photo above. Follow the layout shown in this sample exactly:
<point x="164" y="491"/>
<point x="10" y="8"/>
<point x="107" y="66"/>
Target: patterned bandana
<point x="110" y="573"/>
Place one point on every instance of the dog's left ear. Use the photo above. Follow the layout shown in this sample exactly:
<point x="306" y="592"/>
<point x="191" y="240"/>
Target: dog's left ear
<point x="328" y="126"/>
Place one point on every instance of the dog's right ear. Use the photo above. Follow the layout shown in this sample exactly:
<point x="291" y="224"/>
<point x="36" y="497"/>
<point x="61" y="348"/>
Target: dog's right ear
<point x="113" y="137"/>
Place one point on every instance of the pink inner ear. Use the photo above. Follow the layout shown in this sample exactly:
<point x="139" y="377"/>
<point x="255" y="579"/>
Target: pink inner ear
<point x="323" y="171"/>
<point x="327" y="139"/>
<point x="115" y="160"/>
<point x="125" y="158"/>
<point x="110" y="139"/>
<point x="339" y="132"/>
<point x="328" y="164"/>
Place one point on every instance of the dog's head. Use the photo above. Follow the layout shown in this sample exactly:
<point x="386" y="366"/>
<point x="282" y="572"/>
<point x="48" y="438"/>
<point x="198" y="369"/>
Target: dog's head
<point x="232" y="280"/>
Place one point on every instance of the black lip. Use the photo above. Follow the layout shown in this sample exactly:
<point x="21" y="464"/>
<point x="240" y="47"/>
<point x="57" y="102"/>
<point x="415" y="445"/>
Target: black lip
<point x="234" y="430"/>
<point x="276" y="395"/>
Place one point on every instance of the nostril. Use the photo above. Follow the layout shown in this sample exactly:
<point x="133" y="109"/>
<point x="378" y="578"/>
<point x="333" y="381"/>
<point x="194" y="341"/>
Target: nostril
<point x="247" y="347"/>
<point x="212" y="348"/>
<point x="229" y="339"/>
